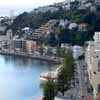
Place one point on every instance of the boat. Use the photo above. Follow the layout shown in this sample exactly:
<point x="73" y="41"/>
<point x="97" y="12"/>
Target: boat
<point x="44" y="77"/>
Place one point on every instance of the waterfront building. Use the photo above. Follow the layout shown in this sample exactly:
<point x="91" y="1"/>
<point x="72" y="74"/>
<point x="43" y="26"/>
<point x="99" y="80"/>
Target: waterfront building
<point x="5" y="39"/>
<point x="93" y="63"/>
<point x="3" y="36"/>
<point x="23" y="46"/>
<point x="19" y="45"/>
<point x="31" y="46"/>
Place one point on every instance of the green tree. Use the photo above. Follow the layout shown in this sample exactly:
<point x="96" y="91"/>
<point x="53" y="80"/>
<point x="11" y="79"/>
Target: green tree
<point x="69" y="63"/>
<point x="62" y="82"/>
<point x="59" y="31"/>
<point x="77" y="38"/>
<point x="66" y="74"/>
<point x="49" y="90"/>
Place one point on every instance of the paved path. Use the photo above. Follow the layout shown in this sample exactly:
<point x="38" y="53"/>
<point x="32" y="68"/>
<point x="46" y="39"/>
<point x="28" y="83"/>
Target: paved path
<point x="82" y="81"/>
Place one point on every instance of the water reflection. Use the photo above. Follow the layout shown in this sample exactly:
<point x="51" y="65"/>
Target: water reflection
<point x="19" y="78"/>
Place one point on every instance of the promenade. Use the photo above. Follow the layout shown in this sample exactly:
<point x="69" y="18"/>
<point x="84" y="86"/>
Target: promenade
<point x="53" y="59"/>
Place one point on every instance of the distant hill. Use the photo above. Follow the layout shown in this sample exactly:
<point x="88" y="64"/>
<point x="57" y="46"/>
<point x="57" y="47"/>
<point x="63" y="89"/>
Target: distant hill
<point x="37" y="17"/>
<point x="87" y="13"/>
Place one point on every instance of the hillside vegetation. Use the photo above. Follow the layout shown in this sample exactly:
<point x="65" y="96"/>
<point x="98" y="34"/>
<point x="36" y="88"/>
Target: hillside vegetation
<point x="89" y="16"/>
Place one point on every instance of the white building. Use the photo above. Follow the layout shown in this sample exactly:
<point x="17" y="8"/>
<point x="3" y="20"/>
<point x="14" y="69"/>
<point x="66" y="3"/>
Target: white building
<point x="72" y="26"/>
<point x="63" y="23"/>
<point x="63" y="98"/>
<point x="93" y="63"/>
<point x="77" y="51"/>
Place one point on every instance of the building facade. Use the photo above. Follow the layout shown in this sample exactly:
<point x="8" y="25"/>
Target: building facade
<point x="31" y="46"/>
<point x="18" y="45"/>
<point x="93" y="63"/>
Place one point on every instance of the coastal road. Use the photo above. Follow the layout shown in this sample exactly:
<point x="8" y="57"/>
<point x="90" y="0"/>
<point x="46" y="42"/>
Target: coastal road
<point x="81" y="82"/>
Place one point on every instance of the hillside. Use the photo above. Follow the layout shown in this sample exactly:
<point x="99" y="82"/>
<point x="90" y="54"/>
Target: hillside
<point x="86" y="16"/>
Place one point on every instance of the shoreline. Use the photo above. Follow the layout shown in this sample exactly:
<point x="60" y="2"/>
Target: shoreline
<point x="54" y="60"/>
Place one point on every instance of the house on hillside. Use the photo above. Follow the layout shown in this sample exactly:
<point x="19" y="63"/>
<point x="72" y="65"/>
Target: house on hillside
<point x="82" y="27"/>
<point x="73" y="26"/>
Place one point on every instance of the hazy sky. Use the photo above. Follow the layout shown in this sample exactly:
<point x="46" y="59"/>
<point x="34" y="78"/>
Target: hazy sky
<point x="19" y="6"/>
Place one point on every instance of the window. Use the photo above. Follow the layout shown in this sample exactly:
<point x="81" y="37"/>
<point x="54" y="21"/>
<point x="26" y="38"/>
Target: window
<point x="99" y="66"/>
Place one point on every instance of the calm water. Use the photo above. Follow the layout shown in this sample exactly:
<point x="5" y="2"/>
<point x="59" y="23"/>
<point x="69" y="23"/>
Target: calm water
<point x="19" y="78"/>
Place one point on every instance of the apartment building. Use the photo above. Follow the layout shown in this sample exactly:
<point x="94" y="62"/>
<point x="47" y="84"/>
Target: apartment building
<point x="31" y="46"/>
<point x="43" y="30"/>
<point x="18" y="45"/>
<point x="93" y="63"/>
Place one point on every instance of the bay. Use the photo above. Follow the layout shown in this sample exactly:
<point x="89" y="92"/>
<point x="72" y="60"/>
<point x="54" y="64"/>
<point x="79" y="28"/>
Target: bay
<point x="19" y="78"/>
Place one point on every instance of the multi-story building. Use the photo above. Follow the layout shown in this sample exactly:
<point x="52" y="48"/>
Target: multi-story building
<point x="43" y="30"/>
<point x="18" y="45"/>
<point x="5" y="39"/>
<point x="93" y="63"/>
<point x="83" y="27"/>
<point x="31" y="46"/>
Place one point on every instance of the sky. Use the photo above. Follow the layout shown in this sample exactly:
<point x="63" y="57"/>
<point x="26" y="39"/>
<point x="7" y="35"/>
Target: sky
<point x="19" y="6"/>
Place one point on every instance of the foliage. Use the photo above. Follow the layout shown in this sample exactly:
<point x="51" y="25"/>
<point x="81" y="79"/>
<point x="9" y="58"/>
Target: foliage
<point x="66" y="74"/>
<point x="49" y="90"/>
<point x="69" y="64"/>
<point x="52" y="40"/>
<point x="35" y="20"/>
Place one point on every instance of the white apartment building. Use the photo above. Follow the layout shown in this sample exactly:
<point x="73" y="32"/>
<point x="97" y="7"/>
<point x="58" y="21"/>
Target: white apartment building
<point x="93" y="63"/>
